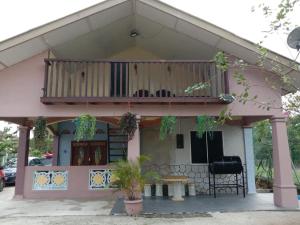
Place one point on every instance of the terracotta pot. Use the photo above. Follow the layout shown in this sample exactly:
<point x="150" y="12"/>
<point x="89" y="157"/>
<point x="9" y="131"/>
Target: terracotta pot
<point x="133" y="207"/>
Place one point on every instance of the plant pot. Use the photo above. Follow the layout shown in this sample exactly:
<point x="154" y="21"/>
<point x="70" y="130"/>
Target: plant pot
<point x="133" y="207"/>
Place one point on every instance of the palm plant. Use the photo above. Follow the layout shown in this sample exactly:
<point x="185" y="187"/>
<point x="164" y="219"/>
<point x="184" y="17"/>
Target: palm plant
<point x="130" y="178"/>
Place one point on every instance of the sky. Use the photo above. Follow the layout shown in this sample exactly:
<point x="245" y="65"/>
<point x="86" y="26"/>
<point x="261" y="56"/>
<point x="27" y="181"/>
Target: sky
<point x="236" y="16"/>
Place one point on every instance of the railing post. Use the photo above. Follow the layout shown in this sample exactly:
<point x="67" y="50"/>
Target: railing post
<point x="47" y="64"/>
<point x="226" y="82"/>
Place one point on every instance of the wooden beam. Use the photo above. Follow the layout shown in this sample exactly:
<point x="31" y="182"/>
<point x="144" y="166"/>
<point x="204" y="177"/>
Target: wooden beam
<point x="133" y="100"/>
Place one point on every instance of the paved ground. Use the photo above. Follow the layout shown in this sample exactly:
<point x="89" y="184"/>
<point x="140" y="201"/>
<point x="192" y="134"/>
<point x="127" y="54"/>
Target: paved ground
<point x="70" y="212"/>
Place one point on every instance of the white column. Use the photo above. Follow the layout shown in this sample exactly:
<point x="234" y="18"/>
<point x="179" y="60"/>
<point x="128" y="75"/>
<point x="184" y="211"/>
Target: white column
<point x="250" y="159"/>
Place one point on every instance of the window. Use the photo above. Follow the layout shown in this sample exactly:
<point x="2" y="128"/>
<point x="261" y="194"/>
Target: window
<point x="89" y="153"/>
<point x="208" y="148"/>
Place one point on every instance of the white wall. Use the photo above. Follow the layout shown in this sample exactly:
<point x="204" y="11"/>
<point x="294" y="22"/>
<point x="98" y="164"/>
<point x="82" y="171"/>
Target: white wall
<point x="163" y="152"/>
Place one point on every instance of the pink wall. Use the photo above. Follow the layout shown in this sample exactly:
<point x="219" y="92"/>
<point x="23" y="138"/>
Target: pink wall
<point x="77" y="187"/>
<point x="20" y="92"/>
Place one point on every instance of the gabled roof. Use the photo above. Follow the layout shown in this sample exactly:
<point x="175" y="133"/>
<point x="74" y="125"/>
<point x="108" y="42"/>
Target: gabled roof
<point x="103" y="30"/>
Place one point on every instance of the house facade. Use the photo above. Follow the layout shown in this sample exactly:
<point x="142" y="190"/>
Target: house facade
<point x="135" y="56"/>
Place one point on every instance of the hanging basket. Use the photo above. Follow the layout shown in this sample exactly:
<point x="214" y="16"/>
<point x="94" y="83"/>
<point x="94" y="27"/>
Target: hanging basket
<point x="40" y="133"/>
<point x="85" y="127"/>
<point x="128" y="124"/>
<point x="204" y="124"/>
<point x="167" y="126"/>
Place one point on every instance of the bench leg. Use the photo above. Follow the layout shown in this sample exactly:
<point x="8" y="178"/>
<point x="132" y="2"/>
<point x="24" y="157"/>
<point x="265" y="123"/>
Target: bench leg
<point x="158" y="190"/>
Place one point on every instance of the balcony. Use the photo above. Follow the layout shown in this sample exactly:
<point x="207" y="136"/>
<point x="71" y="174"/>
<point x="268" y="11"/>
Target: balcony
<point x="155" y="82"/>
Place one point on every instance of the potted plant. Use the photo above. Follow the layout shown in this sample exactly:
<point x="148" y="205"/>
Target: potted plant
<point x="130" y="179"/>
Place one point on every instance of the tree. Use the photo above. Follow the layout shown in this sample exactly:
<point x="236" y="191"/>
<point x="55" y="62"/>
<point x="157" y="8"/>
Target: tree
<point x="294" y="138"/>
<point x="262" y="138"/>
<point x="8" y="141"/>
<point x="47" y="146"/>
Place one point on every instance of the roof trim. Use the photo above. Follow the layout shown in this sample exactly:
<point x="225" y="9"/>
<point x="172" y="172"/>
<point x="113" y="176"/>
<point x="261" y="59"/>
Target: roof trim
<point x="222" y="33"/>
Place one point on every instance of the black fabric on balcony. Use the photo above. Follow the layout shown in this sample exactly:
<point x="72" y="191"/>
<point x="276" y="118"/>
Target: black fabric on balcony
<point x="228" y="165"/>
<point x="163" y="93"/>
<point x="142" y="93"/>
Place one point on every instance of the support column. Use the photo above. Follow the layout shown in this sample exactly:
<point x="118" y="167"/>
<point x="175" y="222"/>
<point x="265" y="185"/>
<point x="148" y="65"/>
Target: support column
<point x="250" y="159"/>
<point x="285" y="194"/>
<point x="134" y="144"/>
<point x="22" y="159"/>
<point x="55" y="151"/>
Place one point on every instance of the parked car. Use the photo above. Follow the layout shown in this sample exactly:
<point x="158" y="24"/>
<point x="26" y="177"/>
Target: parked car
<point x="10" y="168"/>
<point x="2" y="175"/>
<point x="10" y="171"/>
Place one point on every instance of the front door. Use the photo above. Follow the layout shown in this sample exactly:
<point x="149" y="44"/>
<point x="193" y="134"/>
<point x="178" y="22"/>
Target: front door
<point x="89" y="153"/>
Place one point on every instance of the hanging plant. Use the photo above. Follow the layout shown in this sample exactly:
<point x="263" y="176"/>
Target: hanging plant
<point x="85" y="127"/>
<point x="167" y="126"/>
<point x="205" y="124"/>
<point x="128" y="124"/>
<point x="40" y="133"/>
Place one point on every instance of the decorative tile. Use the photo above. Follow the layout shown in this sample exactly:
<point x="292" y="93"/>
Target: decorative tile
<point x="50" y="180"/>
<point x="100" y="179"/>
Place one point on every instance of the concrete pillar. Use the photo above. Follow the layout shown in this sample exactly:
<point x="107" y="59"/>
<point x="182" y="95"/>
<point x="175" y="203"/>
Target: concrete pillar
<point x="55" y="150"/>
<point x="250" y="159"/>
<point x="22" y="159"/>
<point x="285" y="194"/>
<point x="134" y="144"/>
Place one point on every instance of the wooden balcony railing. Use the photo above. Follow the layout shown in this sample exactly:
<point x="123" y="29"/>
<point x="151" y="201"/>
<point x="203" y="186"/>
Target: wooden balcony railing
<point x="71" y="81"/>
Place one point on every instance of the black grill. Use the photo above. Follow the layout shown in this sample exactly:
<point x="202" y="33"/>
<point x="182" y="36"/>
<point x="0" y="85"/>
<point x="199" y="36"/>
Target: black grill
<point x="227" y="165"/>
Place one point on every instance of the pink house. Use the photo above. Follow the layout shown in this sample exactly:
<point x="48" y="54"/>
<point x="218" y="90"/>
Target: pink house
<point x="135" y="56"/>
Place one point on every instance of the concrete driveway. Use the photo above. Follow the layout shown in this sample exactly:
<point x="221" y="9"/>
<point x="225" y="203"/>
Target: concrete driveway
<point x="75" y="212"/>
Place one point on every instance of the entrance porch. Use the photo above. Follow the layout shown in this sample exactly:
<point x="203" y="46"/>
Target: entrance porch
<point x="89" y="179"/>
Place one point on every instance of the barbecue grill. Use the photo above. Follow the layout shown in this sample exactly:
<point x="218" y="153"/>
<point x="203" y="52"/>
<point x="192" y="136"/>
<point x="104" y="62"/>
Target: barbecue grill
<point x="227" y="165"/>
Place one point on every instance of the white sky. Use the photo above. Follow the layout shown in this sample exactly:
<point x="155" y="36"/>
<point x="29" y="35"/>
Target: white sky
<point x="17" y="16"/>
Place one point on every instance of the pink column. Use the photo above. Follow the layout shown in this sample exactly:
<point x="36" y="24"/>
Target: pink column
<point x="285" y="194"/>
<point x="134" y="143"/>
<point x="55" y="150"/>
<point x="22" y="160"/>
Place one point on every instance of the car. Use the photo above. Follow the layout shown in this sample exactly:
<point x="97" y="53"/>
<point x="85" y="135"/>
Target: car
<point x="10" y="168"/>
<point x="10" y="171"/>
<point x="2" y="175"/>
